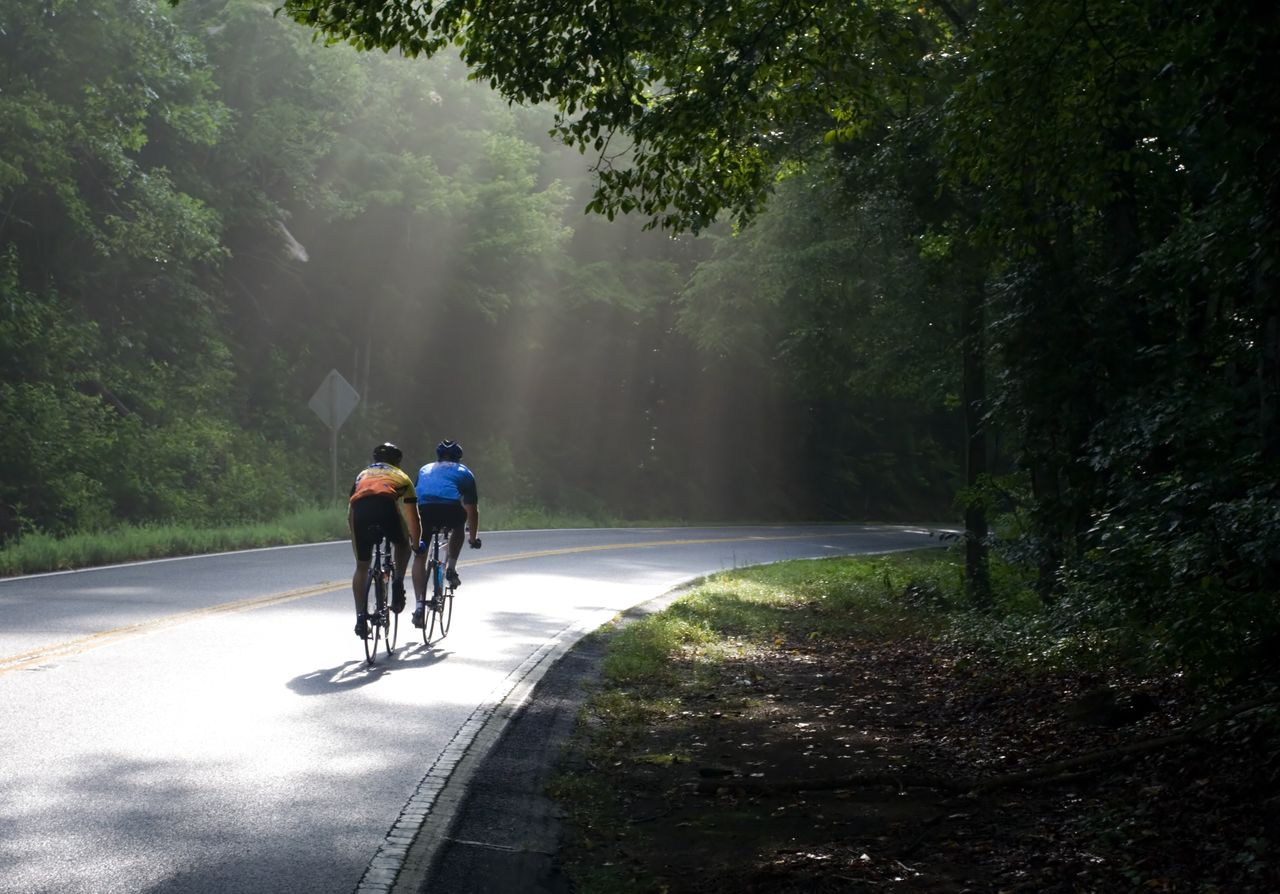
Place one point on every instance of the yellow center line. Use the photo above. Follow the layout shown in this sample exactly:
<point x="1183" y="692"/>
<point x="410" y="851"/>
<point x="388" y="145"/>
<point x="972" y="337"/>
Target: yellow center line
<point x="602" y="547"/>
<point x="67" y="648"/>
<point x="43" y="654"/>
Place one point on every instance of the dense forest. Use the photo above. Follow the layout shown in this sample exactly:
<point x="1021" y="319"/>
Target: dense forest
<point x="1062" y="213"/>
<point x="1010" y="263"/>
<point x="205" y="210"/>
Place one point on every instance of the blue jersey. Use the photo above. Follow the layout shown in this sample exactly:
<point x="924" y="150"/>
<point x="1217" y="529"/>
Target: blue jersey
<point x="446" y="482"/>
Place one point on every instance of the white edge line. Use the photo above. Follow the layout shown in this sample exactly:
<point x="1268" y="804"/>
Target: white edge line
<point x="230" y="552"/>
<point x="263" y="549"/>
<point x="404" y="859"/>
<point x="403" y="862"/>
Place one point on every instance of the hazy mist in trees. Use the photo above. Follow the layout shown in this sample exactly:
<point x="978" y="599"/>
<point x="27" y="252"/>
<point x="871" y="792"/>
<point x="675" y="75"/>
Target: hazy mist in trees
<point x="203" y="211"/>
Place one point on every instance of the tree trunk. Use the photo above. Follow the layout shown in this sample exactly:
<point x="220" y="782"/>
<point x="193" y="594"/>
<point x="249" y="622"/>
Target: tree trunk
<point x="1046" y="499"/>
<point x="973" y="333"/>
<point x="1269" y="388"/>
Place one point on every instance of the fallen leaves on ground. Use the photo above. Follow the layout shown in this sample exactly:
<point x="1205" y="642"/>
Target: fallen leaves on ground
<point x="830" y="764"/>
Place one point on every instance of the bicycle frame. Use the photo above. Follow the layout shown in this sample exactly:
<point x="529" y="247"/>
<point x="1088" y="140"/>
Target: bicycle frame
<point x="438" y="611"/>
<point x="384" y="624"/>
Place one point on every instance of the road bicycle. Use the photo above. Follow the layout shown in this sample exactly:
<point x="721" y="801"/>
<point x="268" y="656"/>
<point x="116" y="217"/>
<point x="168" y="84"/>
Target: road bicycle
<point x="383" y="624"/>
<point x="438" y="611"/>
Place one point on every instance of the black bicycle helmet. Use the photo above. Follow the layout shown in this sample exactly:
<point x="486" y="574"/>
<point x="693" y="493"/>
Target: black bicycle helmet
<point x="450" y="450"/>
<point x="387" y="453"/>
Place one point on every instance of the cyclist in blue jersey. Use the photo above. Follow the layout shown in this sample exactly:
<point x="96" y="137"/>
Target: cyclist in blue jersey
<point x="447" y="498"/>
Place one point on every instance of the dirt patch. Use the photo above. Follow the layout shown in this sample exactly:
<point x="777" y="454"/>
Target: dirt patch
<point x="848" y="765"/>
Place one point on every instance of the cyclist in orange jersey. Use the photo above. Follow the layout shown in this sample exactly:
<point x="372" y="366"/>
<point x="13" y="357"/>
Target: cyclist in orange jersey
<point x="382" y="499"/>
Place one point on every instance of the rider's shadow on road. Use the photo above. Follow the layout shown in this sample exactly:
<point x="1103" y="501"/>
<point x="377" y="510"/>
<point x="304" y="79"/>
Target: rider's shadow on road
<point x="354" y="674"/>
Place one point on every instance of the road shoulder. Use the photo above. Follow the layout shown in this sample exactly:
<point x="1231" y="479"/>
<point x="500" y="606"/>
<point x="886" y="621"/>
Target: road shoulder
<point x="507" y="832"/>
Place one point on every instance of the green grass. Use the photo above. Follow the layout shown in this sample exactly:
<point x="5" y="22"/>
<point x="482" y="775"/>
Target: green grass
<point x="666" y="673"/>
<point x="735" y="611"/>
<point x="41" y="552"/>
<point x="34" y="553"/>
<point x="680" y="661"/>
<point x="650" y="662"/>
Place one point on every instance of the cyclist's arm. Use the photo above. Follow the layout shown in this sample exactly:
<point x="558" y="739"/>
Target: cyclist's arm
<point x="473" y="520"/>
<point x="470" y="497"/>
<point x="409" y="509"/>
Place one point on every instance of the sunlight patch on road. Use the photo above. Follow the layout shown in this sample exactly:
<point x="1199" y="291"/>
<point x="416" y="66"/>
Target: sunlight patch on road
<point x="35" y="658"/>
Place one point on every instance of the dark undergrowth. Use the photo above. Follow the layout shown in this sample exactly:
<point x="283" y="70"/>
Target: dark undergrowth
<point x="842" y="726"/>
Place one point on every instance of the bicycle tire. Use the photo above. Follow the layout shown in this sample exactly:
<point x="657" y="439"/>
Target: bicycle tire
<point x="384" y="597"/>
<point x="391" y="619"/>
<point x="446" y="612"/>
<point x="437" y="580"/>
<point x="393" y="630"/>
<point x="371" y="626"/>
<point x="428" y="615"/>
<point x="384" y="617"/>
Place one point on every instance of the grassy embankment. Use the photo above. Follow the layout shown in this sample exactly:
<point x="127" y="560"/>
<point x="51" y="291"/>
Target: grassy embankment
<point x="671" y="671"/>
<point x="692" y="764"/>
<point x="40" y="552"/>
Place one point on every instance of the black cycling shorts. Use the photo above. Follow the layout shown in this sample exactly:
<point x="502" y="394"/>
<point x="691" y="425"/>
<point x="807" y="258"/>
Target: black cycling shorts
<point x="371" y="519"/>
<point x="441" y="515"/>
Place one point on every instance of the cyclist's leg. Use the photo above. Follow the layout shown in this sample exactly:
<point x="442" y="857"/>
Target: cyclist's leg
<point x="457" y="532"/>
<point x="400" y="561"/>
<point x="455" y="545"/>
<point x="397" y="581"/>
<point x="358" y="581"/>
<point x="435" y="568"/>
<point x="420" y="575"/>
<point x="362" y="519"/>
<point x="420" y="566"/>
<point x="402" y="545"/>
<point x="359" y="588"/>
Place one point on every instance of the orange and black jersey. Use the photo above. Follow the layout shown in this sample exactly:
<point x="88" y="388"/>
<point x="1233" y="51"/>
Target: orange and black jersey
<point x="383" y="480"/>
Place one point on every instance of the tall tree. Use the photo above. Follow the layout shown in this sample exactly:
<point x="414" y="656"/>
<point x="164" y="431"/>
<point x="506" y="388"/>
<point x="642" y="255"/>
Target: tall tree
<point x="99" y="237"/>
<point x="1111" y="171"/>
<point x="691" y="109"/>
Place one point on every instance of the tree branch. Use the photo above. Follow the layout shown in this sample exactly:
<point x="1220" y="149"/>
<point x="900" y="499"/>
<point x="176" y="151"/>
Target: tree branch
<point x="954" y="15"/>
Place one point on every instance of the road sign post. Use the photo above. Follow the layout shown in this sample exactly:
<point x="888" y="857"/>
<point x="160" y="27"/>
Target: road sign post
<point x="333" y="402"/>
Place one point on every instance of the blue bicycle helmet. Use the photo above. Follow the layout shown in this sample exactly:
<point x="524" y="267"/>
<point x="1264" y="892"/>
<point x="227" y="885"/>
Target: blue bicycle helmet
<point x="450" y="450"/>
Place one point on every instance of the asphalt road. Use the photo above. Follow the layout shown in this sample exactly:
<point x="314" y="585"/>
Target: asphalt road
<point x="209" y="724"/>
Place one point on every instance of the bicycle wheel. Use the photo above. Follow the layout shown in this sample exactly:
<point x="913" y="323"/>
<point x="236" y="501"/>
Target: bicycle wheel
<point x="391" y="619"/>
<point x="446" y="611"/>
<point x="437" y="599"/>
<point x="371" y="628"/>
<point x="427" y="618"/>
<point x="393" y="626"/>
<point x="378" y="623"/>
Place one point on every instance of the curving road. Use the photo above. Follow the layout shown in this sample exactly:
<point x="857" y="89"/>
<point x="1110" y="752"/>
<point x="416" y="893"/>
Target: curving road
<point x="208" y="724"/>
